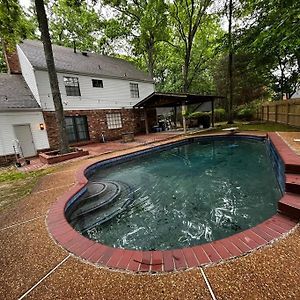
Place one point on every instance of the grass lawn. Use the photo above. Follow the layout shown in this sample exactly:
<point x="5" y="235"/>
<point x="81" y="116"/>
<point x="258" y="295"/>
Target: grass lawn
<point x="268" y="126"/>
<point x="15" y="185"/>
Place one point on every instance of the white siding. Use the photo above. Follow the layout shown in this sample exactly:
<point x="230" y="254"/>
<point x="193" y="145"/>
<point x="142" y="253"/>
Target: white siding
<point x="296" y="95"/>
<point x="28" y="74"/>
<point x="114" y="94"/>
<point x="7" y="134"/>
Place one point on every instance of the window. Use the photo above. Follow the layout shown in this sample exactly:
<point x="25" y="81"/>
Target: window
<point x="77" y="129"/>
<point x="97" y="83"/>
<point x="72" y="86"/>
<point x="114" y="121"/>
<point x="134" y="90"/>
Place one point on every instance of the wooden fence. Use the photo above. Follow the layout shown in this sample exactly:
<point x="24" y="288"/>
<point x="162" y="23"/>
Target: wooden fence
<point x="285" y="112"/>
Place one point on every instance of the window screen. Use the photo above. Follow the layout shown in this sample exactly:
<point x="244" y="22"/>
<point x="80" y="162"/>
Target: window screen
<point x="72" y="86"/>
<point x="97" y="83"/>
<point x="134" y="90"/>
<point x="114" y="121"/>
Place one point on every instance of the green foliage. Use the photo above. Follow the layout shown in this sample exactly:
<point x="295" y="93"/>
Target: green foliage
<point x="14" y="23"/>
<point x="171" y="59"/>
<point x="3" y="68"/>
<point x="220" y="114"/>
<point x="14" y="26"/>
<point x="272" y="36"/>
<point x="250" y="83"/>
<point x="146" y="23"/>
<point x="202" y="118"/>
<point x="247" y="112"/>
<point x="75" y="21"/>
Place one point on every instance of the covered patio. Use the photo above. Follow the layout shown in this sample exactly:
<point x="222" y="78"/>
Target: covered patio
<point x="175" y="100"/>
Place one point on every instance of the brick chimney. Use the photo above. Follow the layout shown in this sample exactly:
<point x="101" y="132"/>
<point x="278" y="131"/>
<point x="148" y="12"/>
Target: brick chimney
<point x="12" y="60"/>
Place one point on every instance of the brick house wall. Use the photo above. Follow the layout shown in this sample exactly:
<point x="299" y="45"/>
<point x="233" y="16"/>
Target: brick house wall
<point x="12" y="60"/>
<point x="131" y="122"/>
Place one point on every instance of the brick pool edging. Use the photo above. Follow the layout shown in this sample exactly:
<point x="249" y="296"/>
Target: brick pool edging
<point x="177" y="259"/>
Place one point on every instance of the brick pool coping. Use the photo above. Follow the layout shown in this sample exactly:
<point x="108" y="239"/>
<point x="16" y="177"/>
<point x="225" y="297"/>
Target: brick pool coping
<point x="180" y="259"/>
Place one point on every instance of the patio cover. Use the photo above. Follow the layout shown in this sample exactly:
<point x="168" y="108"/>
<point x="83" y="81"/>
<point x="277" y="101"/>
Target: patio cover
<point x="173" y="100"/>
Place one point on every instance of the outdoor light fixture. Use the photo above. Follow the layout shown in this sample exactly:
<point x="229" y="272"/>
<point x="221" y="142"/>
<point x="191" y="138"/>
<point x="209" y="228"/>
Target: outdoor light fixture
<point x="42" y="126"/>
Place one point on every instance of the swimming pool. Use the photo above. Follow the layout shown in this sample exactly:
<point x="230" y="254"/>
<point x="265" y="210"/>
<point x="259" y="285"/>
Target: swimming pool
<point x="181" y="195"/>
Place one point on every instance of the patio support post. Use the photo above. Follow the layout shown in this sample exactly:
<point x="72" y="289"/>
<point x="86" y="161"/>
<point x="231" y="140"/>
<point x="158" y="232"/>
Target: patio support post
<point x="212" y="113"/>
<point x="183" y="110"/>
<point x="175" y="116"/>
<point x="146" y="121"/>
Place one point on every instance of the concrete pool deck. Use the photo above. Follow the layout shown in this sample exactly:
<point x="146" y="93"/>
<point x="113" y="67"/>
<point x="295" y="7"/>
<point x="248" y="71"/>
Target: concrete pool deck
<point x="33" y="266"/>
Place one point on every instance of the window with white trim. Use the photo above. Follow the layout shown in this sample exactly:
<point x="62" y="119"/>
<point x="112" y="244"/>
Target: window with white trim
<point x="97" y="83"/>
<point x="72" y="86"/>
<point x="134" y="90"/>
<point x="114" y="121"/>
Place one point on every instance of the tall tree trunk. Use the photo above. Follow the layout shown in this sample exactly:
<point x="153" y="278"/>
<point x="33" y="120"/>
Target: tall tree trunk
<point x="230" y="92"/>
<point x="43" y="25"/>
<point x="151" y="56"/>
<point x="186" y="67"/>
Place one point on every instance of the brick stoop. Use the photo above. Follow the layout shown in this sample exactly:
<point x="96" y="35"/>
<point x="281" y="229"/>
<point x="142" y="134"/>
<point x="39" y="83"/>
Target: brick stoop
<point x="289" y="205"/>
<point x="289" y="157"/>
<point x="292" y="183"/>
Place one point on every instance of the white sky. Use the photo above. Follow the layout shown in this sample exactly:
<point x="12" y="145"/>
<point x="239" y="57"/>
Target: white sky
<point x="25" y="3"/>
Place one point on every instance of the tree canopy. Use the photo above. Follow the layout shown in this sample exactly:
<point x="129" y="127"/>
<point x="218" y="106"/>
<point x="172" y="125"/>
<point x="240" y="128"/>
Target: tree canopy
<point x="183" y="44"/>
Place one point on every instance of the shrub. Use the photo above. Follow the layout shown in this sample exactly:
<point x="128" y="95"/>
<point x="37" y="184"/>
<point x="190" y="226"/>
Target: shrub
<point x="203" y="118"/>
<point x="247" y="112"/>
<point x="220" y="114"/>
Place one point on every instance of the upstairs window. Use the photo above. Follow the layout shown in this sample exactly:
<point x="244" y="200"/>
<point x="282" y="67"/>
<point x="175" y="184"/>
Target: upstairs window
<point x="134" y="90"/>
<point x="72" y="86"/>
<point x="114" y="121"/>
<point x="97" y="83"/>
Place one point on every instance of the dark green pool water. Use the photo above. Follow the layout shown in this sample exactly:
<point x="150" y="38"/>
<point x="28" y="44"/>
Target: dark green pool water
<point x="192" y="194"/>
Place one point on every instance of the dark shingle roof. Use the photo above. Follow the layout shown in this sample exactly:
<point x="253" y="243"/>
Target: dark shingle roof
<point x="92" y="64"/>
<point x="15" y="94"/>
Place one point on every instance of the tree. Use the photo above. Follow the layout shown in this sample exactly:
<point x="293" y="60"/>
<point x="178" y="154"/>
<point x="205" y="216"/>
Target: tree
<point x="14" y="26"/>
<point x="74" y="21"/>
<point x="147" y="22"/>
<point x="45" y="36"/>
<point x="204" y="55"/>
<point x="272" y="36"/>
<point x="249" y="83"/>
<point x="188" y="18"/>
<point x="230" y="64"/>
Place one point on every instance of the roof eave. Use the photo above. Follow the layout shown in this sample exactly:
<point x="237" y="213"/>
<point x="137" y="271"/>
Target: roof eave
<point x="95" y="75"/>
<point x="21" y="109"/>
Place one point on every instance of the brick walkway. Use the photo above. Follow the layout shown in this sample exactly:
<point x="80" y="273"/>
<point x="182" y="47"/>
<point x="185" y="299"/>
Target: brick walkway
<point x="34" y="267"/>
<point x="97" y="149"/>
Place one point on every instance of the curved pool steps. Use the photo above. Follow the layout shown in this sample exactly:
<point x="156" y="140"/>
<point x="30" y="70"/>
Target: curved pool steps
<point x="95" y="201"/>
<point x="97" y="210"/>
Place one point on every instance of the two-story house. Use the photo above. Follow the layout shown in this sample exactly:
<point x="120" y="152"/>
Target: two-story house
<point x="98" y="95"/>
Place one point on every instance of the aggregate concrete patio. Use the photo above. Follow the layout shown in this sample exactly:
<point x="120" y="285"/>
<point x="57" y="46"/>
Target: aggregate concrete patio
<point x="33" y="266"/>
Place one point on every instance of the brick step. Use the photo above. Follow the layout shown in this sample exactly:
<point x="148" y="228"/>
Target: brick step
<point x="292" y="183"/>
<point x="292" y="168"/>
<point x="289" y="205"/>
